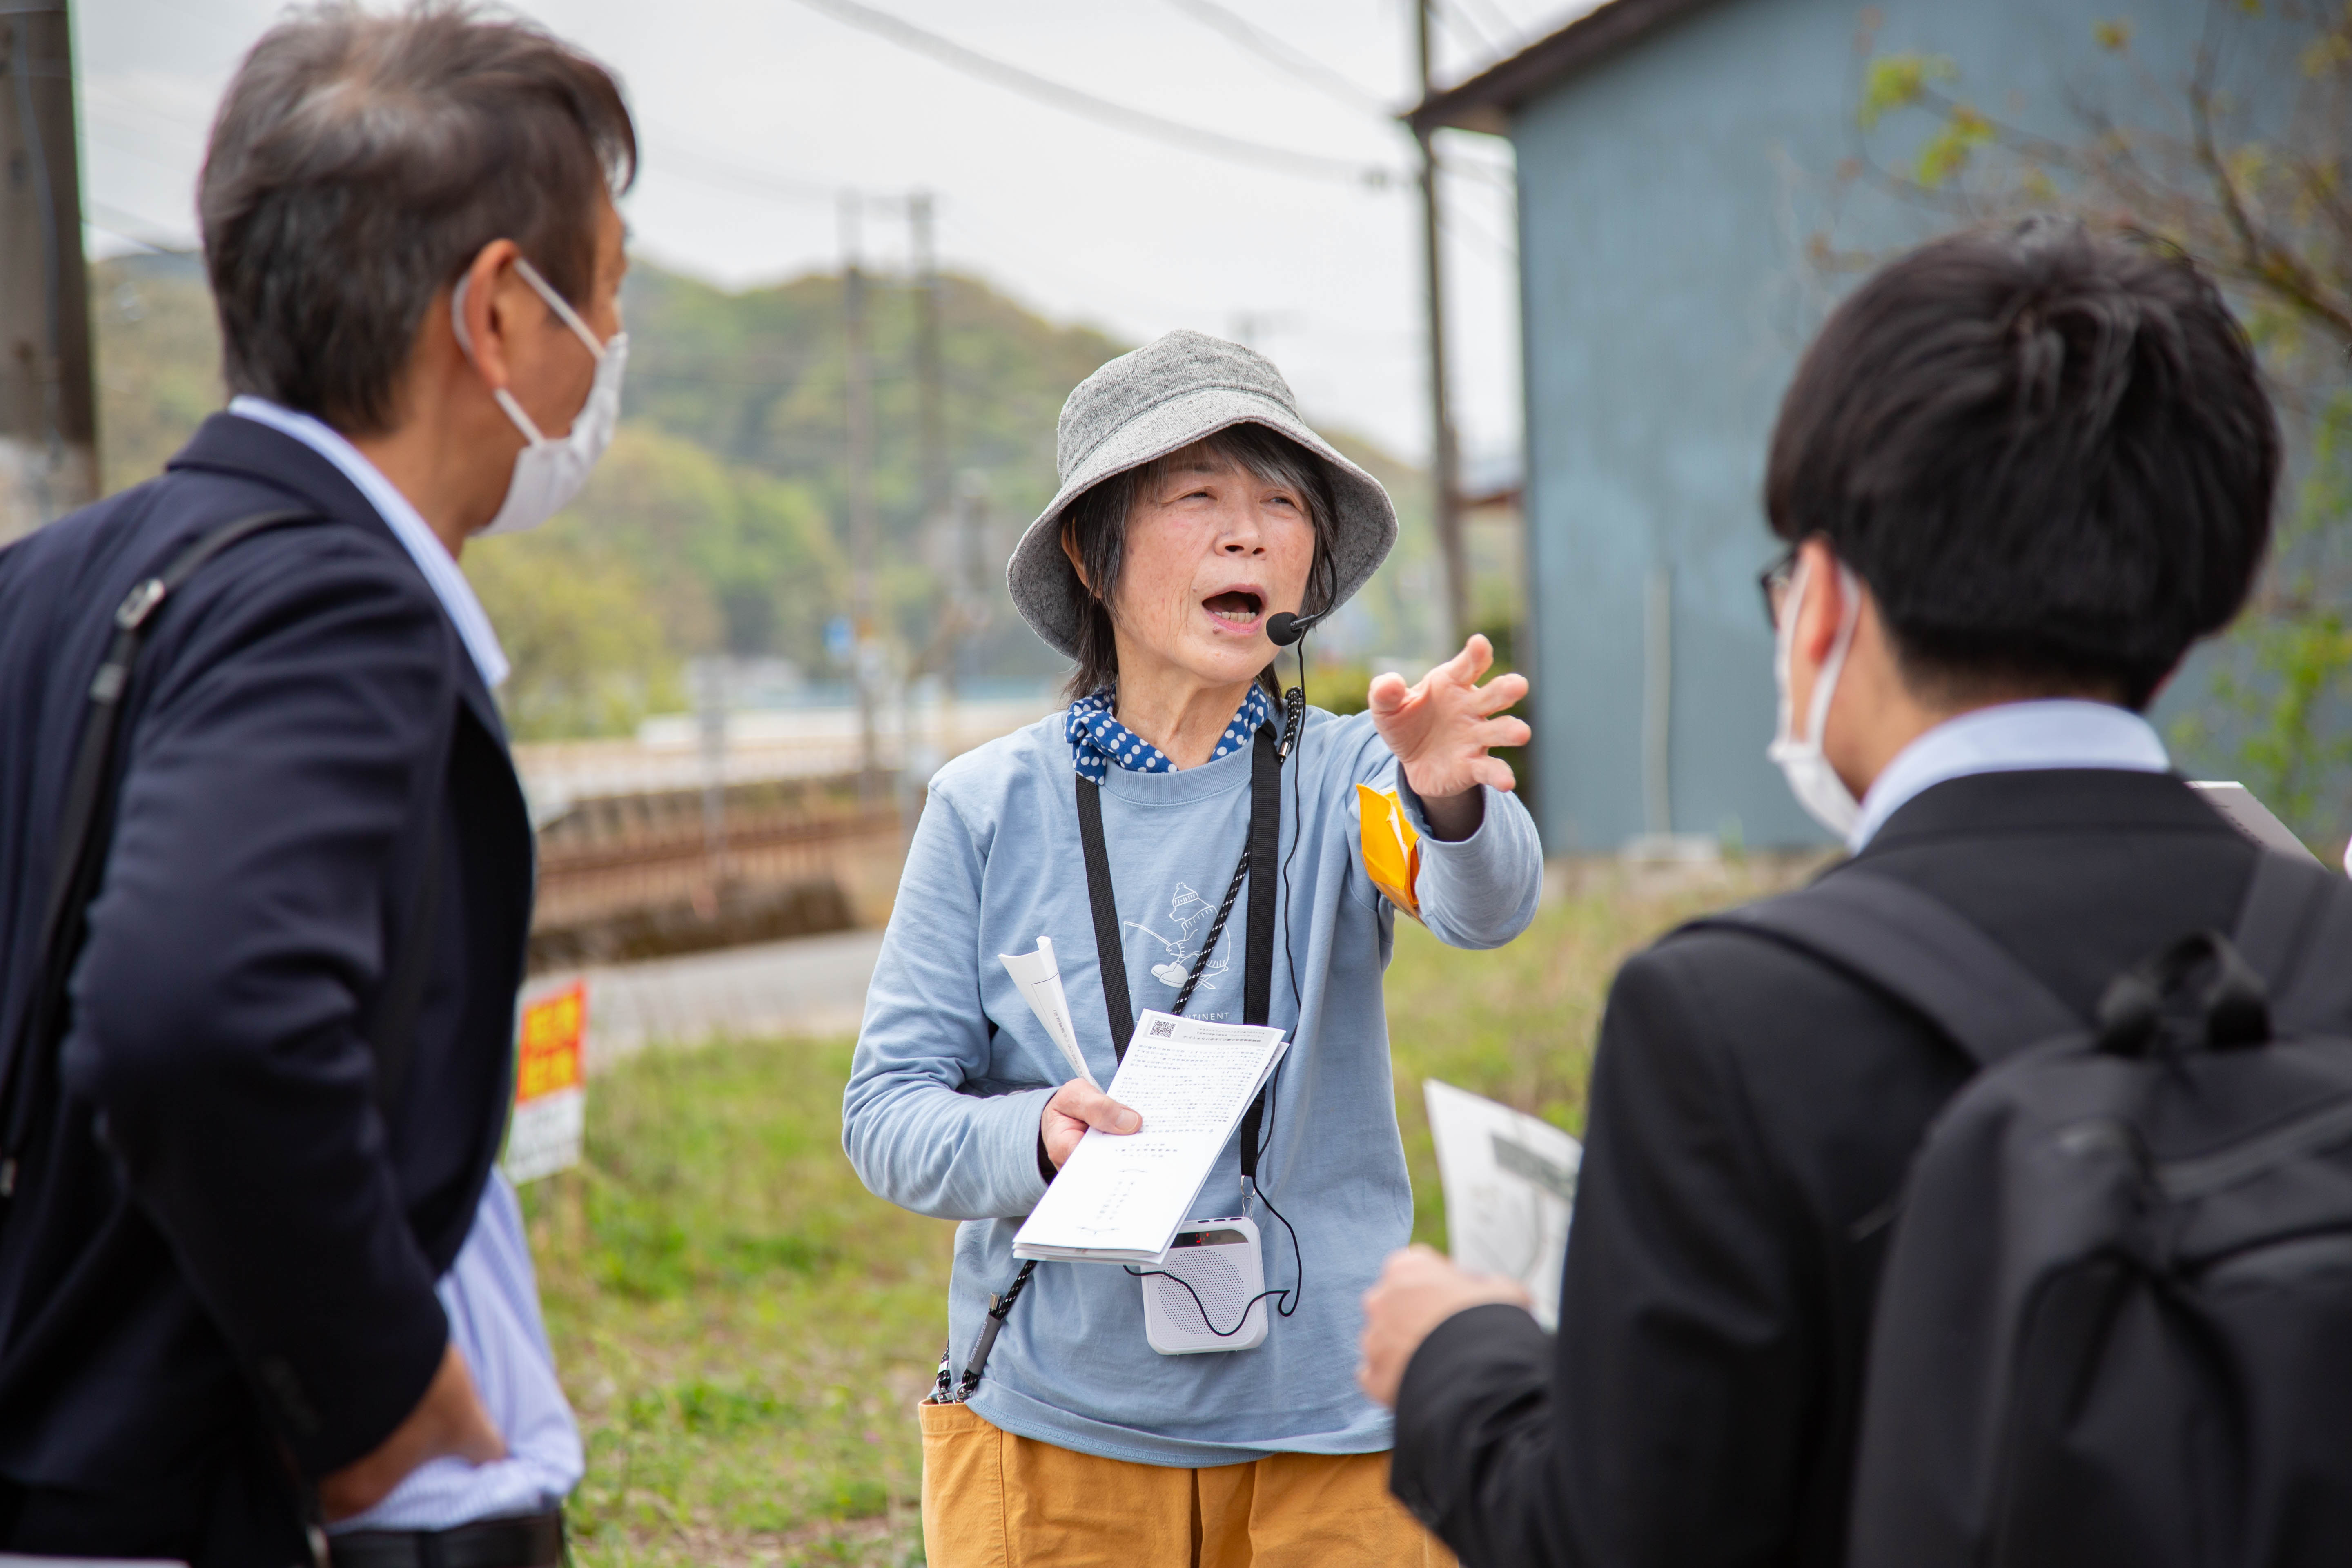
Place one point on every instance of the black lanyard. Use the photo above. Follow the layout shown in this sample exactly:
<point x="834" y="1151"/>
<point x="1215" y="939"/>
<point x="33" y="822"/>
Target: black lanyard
<point x="1261" y="851"/>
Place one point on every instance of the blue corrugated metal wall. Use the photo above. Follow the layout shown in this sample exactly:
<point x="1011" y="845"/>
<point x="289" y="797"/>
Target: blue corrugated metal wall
<point x="1666" y="197"/>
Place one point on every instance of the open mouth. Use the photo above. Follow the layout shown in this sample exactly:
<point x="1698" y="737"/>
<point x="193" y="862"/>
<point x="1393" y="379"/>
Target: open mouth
<point x="1238" y="607"/>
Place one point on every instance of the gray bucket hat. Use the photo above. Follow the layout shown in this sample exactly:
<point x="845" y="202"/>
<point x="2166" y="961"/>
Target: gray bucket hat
<point x="1166" y="395"/>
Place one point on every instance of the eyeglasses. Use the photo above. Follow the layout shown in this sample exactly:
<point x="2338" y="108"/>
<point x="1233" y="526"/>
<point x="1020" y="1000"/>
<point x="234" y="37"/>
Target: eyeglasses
<point x="1773" y="583"/>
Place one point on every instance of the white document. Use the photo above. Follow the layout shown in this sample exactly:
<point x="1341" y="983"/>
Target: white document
<point x="1510" y="1179"/>
<point x="2250" y="817"/>
<point x="1040" y="979"/>
<point x="1121" y="1197"/>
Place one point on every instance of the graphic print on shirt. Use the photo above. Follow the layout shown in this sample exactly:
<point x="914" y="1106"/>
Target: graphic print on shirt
<point x="1191" y="915"/>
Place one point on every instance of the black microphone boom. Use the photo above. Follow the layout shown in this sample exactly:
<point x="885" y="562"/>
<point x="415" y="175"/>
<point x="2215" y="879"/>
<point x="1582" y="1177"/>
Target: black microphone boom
<point x="1282" y="628"/>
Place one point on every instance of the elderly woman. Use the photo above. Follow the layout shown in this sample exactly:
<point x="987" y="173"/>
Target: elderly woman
<point x="1195" y="506"/>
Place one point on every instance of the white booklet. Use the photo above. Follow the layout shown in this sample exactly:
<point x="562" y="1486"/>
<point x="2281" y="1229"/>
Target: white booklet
<point x="1510" y="1185"/>
<point x="1121" y="1197"/>
<point x="2242" y="810"/>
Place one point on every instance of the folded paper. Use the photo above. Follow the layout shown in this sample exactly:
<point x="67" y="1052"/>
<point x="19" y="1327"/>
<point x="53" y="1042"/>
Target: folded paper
<point x="1040" y="979"/>
<point x="1392" y="848"/>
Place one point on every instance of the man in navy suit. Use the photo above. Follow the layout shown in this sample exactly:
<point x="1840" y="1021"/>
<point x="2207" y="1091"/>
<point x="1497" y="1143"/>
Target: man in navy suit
<point x="257" y="1277"/>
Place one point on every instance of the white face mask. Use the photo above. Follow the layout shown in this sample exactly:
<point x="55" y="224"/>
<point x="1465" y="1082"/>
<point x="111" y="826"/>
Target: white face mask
<point x="548" y="474"/>
<point x="1810" y="778"/>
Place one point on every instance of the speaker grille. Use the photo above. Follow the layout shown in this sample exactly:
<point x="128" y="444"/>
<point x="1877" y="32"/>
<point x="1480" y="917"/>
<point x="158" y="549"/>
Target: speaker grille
<point x="1220" y="1285"/>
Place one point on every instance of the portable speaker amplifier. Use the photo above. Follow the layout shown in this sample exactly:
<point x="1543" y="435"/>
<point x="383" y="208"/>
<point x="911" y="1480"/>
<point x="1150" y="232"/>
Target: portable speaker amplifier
<point x="1219" y="1260"/>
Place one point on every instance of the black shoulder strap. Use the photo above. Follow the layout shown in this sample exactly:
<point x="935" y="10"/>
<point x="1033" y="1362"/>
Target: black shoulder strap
<point x="1918" y="951"/>
<point x="83" y="829"/>
<point x="2295" y="911"/>
<point x="1258" y="969"/>
<point x="1109" y="952"/>
<point x="1265" y="847"/>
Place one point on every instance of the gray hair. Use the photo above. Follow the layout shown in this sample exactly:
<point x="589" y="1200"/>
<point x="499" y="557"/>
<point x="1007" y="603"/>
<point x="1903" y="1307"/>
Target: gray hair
<point x="1097" y="524"/>
<point x="360" y="163"/>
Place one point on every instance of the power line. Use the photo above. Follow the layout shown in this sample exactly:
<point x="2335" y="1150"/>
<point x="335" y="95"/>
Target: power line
<point x="1462" y="24"/>
<point x="1487" y="18"/>
<point x="1070" y="99"/>
<point x="130" y="226"/>
<point x="1286" y="57"/>
<point x="745" y="181"/>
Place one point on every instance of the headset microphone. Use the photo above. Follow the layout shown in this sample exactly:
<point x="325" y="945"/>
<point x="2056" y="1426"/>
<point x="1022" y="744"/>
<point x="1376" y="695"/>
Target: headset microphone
<point x="1282" y="628"/>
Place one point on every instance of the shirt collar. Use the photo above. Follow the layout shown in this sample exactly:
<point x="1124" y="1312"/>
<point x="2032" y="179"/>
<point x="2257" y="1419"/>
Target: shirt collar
<point x="2013" y="737"/>
<point x="1098" y="739"/>
<point x="408" y="526"/>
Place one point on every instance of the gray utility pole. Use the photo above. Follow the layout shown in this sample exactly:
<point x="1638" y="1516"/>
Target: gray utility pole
<point x="48" y="418"/>
<point x="931" y="438"/>
<point x="931" y="392"/>
<point x="859" y="388"/>
<point x="1445" y="458"/>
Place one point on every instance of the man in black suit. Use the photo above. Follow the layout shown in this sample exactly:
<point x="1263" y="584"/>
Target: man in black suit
<point x="2019" y="474"/>
<point x="259" y="1128"/>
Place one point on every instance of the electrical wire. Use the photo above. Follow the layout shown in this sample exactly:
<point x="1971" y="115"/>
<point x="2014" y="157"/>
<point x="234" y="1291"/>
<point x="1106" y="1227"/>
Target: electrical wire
<point x="139" y="231"/>
<point x="1488" y="19"/>
<point x="1072" y="101"/>
<point x="1285" y="58"/>
<point x="1461" y="24"/>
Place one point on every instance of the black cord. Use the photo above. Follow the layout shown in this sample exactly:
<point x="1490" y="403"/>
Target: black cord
<point x="1203" y="1306"/>
<point x="1287" y="1299"/>
<point x="1297" y="1259"/>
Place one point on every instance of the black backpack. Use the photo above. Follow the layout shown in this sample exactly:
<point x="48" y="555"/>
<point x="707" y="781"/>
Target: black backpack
<point x="2115" y="1325"/>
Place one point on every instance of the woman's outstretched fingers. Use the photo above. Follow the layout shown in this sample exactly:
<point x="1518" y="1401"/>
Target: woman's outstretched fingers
<point x="1480" y="655"/>
<point x="1501" y="692"/>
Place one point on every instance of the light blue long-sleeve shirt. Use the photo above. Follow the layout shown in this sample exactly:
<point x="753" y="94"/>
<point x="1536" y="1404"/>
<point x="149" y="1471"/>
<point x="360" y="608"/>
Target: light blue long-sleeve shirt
<point x="952" y="1072"/>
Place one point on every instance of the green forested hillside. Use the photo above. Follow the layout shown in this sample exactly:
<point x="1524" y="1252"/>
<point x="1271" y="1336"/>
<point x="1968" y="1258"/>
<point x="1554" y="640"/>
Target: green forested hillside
<point x="718" y="521"/>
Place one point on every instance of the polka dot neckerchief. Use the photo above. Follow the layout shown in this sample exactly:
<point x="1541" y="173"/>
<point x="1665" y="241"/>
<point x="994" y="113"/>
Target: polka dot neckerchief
<point x="1097" y="740"/>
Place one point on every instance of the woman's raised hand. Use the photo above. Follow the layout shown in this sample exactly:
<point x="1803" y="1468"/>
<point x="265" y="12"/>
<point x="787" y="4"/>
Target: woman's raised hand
<point x="1441" y="728"/>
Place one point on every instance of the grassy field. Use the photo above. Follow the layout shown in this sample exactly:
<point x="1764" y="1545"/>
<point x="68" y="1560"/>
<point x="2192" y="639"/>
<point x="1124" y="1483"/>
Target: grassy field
<point x="744" y="1330"/>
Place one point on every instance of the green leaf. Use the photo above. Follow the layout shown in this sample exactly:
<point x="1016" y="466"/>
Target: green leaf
<point x="1898" y="81"/>
<point x="1946" y="153"/>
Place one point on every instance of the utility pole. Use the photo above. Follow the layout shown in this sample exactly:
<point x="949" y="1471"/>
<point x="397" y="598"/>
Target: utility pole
<point x="858" y="380"/>
<point x="1445" y="458"/>
<point x="971" y="610"/>
<point x="931" y="437"/>
<point x="48" y="418"/>
<point x="930" y="391"/>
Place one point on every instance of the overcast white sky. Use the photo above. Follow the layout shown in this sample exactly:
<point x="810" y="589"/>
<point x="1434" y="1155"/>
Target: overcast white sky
<point x="754" y="113"/>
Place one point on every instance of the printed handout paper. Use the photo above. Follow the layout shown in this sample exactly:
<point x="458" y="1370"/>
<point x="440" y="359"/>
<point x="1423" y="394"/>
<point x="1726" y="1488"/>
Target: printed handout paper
<point x="1509" y="1179"/>
<point x="1120" y="1197"/>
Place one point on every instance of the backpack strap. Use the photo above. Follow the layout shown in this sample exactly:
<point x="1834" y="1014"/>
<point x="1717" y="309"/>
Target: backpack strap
<point x="1918" y="951"/>
<point x="2294" y="910"/>
<point x="83" y="829"/>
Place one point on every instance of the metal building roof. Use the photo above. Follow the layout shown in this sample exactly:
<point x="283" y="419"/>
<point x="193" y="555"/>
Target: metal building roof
<point x="1485" y="102"/>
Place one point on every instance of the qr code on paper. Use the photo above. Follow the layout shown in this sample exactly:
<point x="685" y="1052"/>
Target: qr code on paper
<point x="1163" y="1028"/>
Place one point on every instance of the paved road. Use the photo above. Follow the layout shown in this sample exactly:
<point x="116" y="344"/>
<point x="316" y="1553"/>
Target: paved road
<point x="809" y="985"/>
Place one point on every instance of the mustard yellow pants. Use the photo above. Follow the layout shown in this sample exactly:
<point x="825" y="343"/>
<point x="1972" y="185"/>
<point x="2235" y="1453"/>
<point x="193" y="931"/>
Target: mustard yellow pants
<point x="992" y="1500"/>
